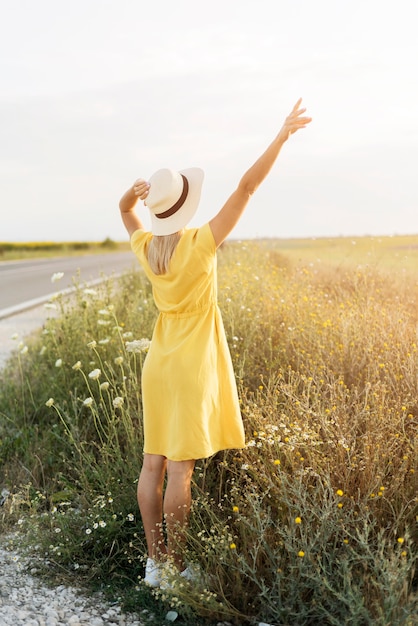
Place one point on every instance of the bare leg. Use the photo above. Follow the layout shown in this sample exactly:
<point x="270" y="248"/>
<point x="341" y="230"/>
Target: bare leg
<point x="177" y="502"/>
<point x="150" y="502"/>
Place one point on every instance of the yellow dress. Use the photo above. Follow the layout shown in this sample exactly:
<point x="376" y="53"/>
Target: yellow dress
<point x="189" y="395"/>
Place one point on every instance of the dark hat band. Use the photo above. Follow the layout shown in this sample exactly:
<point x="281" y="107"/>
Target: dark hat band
<point x="179" y="202"/>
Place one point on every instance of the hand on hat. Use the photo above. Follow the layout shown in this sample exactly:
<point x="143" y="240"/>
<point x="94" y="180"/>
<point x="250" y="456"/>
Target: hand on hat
<point x="141" y="188"/>
<point x="294" y="121"/>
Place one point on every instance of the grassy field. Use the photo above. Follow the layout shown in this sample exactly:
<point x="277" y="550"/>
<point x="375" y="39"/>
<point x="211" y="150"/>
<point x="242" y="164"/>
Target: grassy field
<point x="315" y="522"/>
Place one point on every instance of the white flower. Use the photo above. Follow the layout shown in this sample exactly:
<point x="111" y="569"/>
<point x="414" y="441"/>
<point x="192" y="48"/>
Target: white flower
<point x="95" y="374"/>
<point x="138" y="345"/>
<point x="88" y="531"/>
<point x="104" y="386"/>
<point x="117" y="402"/>
<point x="57" y="530"/>
<point x="103" y="342"/>
<point x="24" y="350"/>
<point x="50" y="402"/>
<point x="104" y="312"/>
<point x="77" y="366"/>
<point x="119" y="360"/>
<point x="56" y="277"/>
<point x="127" y="335"/>
<point x="90" y="292"/>
<point x="102" y="524"/>
<point x="42" y="351"/>
<point x="58" y="363"/>
<point x="130" y="517"/>
<point x="88" y="401"/>
<point x="103" y="322"/>
<point x="92" y="344"/>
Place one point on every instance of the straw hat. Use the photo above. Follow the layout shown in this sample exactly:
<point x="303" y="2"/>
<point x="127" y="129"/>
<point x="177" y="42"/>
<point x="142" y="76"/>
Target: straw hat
<point x="173" y="199"/>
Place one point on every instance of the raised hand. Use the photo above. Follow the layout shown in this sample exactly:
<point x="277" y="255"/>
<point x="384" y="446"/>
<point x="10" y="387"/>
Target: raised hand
<point x="294" y="121"/>
<point x="141" y="188"/>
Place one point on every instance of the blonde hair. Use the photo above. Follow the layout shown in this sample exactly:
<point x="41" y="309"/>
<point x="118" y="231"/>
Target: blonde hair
<point x="160" y="251"/>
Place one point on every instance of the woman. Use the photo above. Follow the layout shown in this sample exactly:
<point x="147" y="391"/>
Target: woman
<point x="190" y="401"/>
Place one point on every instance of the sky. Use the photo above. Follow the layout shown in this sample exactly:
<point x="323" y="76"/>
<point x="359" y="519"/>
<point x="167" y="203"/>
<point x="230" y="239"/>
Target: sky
<point x="97" y="93"/>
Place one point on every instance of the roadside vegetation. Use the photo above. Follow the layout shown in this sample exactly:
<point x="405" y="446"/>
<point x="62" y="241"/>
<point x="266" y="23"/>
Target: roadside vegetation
<point x="315" y="522"/>
<point x="10" y="251"/>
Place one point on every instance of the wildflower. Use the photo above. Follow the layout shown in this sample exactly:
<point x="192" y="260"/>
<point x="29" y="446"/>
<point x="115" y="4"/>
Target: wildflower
<point x="92" y="344"/>
<point x="88" y="402"/>
<point x="138" y="345"/>
<point x="340" y="492"/>
<point x="276" y="462"/>
<point x="77" y="366"/>
<point x="117" y="402"/>
<point x="130" y="517"/>
<point x="119" y="360"/>
<point x="103" y="322"/>
<point x="400" y="540"/>
<point x="340" y="505"/>
<point x="104" y="312"/>
<point x="88" y="531"/>
<point x="298" y="520"/>
<point x="58" y="363"/>
<point x="235" y="509"/>
<point x="95" y="374"/>
<point x="57" y="530"/>
<point x="24" y="350"/>
<point x="127" y="335"/>
<point x="102" y="524"/>
<point x="90" y="292"/>
<point x="232" y="546"/>
<point x="42" y="351"/>
<point x="345" y="541"/>
<point x="103" y="342"/>
<point x="104" y="386"/>
<point x="49" y="402"/>
<point x="404" y="553"/>
<point x="301" y="553"/>
<point x="56" y="277"/>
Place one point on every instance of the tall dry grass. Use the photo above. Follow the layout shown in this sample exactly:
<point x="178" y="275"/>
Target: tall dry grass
<point x="315" y="522"/>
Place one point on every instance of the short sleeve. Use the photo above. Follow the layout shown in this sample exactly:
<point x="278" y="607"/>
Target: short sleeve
<point x="138" y="241"/>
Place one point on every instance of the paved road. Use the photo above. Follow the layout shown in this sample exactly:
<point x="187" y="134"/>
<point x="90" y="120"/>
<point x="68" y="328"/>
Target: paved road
<point x="24" y="284"/>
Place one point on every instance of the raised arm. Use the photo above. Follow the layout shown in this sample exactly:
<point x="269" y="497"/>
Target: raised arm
<point x="224" y="222"/>
<point x="138" y="191"/>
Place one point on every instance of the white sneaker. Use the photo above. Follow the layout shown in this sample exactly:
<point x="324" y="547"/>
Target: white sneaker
<point x="153" y="573"/>
<point x="170" y="577"/>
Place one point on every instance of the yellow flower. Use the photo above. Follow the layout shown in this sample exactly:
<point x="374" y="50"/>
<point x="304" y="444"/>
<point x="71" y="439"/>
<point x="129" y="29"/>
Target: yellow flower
<point x="301" y="553"/>
<point x="235" y="509"/>
<point x="298" y="520"/>
<point x="340" y="492"/>
<point x="232" y="546"/>
<point x="340" y="505"/>
<point x="403" y="553"/>
<point x="345" y="541"/>
<point x="276" y="462"/>
<point x="401" y="540"/>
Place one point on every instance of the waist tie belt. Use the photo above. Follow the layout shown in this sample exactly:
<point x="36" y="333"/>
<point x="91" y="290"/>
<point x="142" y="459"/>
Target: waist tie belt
<point x="189" y="313"/>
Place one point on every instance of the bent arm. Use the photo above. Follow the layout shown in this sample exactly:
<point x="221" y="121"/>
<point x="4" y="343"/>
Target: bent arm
<point x="127" y="203"/>
<point x="224" y="222"/>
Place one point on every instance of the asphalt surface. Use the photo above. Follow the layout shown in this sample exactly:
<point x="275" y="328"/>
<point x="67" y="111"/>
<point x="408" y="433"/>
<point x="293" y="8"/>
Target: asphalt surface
<point x="25" y="286"/>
